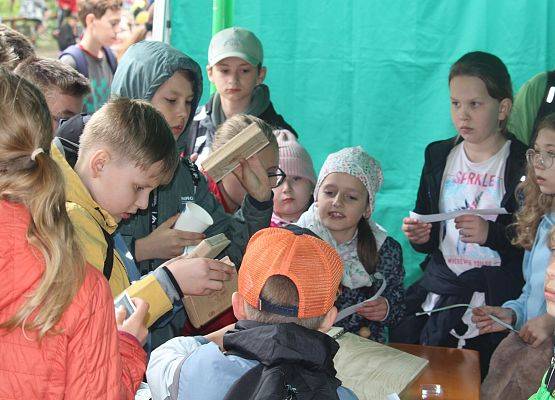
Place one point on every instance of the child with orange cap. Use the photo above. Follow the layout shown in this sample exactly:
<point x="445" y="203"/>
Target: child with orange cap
<point x="288" y="283"/>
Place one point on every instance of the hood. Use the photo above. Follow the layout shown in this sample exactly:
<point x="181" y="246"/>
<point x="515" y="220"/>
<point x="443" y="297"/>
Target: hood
<point x="77" y="193"/>
<point x="146" y="65"/>
<point x="21" y="265"/>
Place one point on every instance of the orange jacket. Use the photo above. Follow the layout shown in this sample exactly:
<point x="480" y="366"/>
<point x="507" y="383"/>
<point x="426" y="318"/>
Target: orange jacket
<point x="89" y="359"/>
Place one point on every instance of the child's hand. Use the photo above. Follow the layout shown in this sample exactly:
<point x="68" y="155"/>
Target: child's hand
<point x="135" y="323"/>
<point x="375" y="310"/>
<point x="538" y="329"/>
<point x="199" y="276"/>
<point x="415" y="231"/>
<point x="486" y="325"/>
<point x="472" y="229"/>
<point x="165" y="242"/>
<point x="254" y="178"/>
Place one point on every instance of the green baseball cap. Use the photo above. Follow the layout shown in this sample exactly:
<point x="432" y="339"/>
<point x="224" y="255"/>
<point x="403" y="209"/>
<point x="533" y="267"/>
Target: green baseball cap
<point x="235" y="42"/>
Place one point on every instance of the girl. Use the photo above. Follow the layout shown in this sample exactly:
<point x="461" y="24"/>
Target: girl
<point x="58" y="336"/>
<point x="470" y="259"/>
<point x="231" y="191"/>
<point x="341" y="215"/>
<point x="534" y="226"/>
<point x="294" y="195"/>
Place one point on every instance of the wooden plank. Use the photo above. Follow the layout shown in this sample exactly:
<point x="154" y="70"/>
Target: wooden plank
<point x="225" y="159"/>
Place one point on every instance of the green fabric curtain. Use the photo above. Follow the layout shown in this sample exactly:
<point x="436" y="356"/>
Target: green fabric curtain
<point x="374" y="73"/>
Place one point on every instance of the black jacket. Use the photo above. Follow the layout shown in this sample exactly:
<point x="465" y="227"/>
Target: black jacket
<point x="295" y="362"/>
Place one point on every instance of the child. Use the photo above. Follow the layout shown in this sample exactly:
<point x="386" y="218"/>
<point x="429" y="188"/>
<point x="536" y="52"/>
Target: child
<point x="547" y="386"/>
<point x="235" y="59"/>
<point x="294" y="195"/>
<point x="92" y="57"/>
<point x="172" y="82"/>
<point x="341" y="215"/>
<point x="230" y="191"/>
<point x="20" y="45"/>
<point x="287" y="286"/>
<point x="58" y="336"/>
<point x="125" y="151"/>
<point x="63" y="87"/>
<point x="471" y="258"/>
<point x="534" y="224"/>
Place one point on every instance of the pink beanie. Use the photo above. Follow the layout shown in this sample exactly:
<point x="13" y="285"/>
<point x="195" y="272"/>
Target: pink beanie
<point x="294" y="160"/>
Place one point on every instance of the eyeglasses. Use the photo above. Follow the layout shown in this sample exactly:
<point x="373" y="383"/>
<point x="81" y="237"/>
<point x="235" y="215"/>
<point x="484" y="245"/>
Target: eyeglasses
<point x="277" y="176"/>
<point x="544" y="158"/>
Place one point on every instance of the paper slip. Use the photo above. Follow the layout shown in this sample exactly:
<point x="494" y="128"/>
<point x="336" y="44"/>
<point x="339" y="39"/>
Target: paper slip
<point x="455" y="214"/>
<point x="352" y="309"/>
<point x="393" y="396"/>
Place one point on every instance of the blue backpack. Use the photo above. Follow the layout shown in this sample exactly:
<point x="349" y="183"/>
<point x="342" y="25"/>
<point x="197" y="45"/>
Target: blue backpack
<point x="81" y="62"/>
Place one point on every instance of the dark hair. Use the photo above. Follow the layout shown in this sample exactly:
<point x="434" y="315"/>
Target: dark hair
<point x="367" y="249"/>
<point x="490" y="70"/>
<point x="21" y="46"/>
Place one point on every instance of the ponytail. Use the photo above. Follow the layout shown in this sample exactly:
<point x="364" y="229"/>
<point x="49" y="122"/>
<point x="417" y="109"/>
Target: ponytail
<point x="367" y="248"/>
<point x="33" y="179"/>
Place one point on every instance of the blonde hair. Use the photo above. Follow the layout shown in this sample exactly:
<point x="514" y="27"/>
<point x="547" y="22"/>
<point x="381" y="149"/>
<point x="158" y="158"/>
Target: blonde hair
<point x="8" y="58"/>
<point x="536" y="204"/>
<point x="234" y="125"/>
<point x="136" y="132"/>
<point x="39" y="186"/>
<point x="280" y="290"/>
<point x="19" y="43"/>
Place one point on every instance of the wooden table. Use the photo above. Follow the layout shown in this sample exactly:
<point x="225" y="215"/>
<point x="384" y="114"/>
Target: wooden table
<point x="456" y="370"/>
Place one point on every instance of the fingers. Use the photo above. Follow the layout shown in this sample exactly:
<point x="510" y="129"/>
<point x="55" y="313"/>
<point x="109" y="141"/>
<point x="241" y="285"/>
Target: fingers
<point x="141" y="308"/>
<point x="189" y="236"/>
<point x="120" y="315"/>
<point x="169" y="222"/>
<point x="194" y="157"/>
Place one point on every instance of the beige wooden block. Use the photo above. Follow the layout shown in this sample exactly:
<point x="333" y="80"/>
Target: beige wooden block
<point x="210" y="247"/>
<point x="224" y="160"/>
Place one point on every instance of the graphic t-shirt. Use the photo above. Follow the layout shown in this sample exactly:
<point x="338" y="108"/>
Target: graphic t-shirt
<point x="467" y="185"/>
<point x="100" y="79"/>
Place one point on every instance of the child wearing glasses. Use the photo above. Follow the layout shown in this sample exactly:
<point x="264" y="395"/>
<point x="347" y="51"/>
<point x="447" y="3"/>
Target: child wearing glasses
<point x="341" y="215"/>
<point x="470" y="260"/>
<point x="264" y="166"/>
<point x="293" y="197"/>
<point x="528" y="314"/>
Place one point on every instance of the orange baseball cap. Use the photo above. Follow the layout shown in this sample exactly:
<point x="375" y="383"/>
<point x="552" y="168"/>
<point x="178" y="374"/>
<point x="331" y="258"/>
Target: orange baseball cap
<point x="312" y="264"/>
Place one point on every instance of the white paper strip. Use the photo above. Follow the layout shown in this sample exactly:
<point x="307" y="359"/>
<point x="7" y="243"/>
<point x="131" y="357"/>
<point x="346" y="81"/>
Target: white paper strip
<point x="455" y="214"/>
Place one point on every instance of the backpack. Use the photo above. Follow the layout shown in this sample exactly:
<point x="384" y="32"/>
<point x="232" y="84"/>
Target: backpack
<point x="81" y="62"/>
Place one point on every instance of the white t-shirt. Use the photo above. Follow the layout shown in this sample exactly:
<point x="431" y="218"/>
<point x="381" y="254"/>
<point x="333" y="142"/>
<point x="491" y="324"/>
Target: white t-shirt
<point x="467" y="185"/>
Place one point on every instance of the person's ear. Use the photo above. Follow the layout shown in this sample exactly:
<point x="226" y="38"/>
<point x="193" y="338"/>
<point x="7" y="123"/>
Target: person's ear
<point x="505" y="109"/>
<point x="89" y="19"/>
<point x="261" y="75"/>
<point x="329" y="320"/>
<point x="209" y="73"/>
<point x="98" y="162"/>
<point x="238" y="304"/>
<point x="367" y="211"/>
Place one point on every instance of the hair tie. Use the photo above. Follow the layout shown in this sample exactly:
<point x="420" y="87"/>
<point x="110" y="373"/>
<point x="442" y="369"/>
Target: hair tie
<point x="37" y="151"/>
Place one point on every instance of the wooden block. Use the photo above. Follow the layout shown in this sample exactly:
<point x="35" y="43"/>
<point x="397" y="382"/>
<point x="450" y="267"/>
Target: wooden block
<point x="224" y="160"/>
<point x="210" y="247"/>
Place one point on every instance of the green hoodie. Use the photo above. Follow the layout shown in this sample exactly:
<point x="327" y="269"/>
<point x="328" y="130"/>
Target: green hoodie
<point x="142" y="70"/>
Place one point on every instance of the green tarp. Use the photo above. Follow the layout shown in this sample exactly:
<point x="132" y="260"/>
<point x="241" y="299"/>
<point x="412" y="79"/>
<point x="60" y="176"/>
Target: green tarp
<point x="374" y="72"/>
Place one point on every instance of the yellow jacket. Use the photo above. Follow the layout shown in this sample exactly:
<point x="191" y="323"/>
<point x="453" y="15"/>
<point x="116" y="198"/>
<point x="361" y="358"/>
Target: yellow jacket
<point x="88" y="218"/>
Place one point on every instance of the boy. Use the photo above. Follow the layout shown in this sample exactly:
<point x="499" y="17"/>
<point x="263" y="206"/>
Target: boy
<point x="63" y="87"/>
<point x="125" y="151"/>
<point x="235" y="59"/>
<point x="92" y="56"/>
<point x="288" y="283"/>
<point x="20" y="45"/>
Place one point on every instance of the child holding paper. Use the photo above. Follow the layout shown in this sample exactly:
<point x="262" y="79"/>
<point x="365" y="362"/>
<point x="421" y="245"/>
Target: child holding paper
<point x="341" y="215"/>
<point x="469" y="259"/>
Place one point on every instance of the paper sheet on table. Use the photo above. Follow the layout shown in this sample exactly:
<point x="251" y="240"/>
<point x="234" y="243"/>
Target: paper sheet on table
<point x="455" y="214"/>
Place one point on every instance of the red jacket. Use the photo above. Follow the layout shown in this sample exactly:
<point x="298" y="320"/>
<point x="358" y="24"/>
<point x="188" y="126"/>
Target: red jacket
<point x="89" y="359"/>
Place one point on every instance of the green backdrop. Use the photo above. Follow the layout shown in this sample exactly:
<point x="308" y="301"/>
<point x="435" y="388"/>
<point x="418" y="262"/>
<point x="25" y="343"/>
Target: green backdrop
<point x="374" y="72"/>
